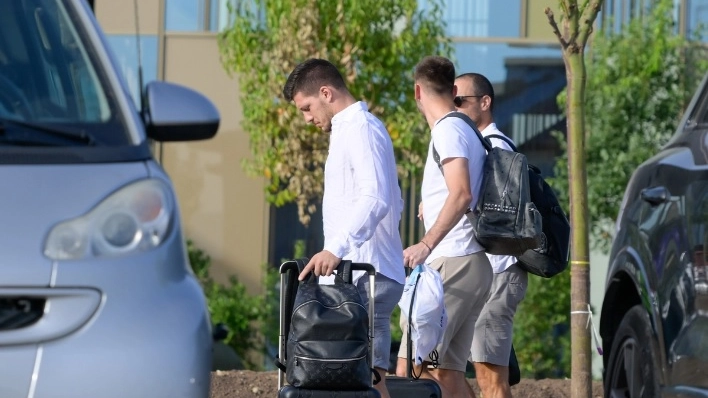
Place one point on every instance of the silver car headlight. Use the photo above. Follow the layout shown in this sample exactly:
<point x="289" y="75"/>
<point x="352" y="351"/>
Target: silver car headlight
<point x="135" y="218"/>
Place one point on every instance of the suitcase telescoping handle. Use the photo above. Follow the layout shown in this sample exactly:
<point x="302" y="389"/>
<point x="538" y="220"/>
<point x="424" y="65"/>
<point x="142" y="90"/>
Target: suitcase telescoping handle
<point x="289" y="271"/>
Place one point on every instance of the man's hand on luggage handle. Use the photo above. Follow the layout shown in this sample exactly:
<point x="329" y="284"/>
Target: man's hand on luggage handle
<point x="322" y="264"/>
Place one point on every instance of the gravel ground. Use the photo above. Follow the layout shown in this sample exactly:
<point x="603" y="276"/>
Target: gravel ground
<point x="246" y="384"/>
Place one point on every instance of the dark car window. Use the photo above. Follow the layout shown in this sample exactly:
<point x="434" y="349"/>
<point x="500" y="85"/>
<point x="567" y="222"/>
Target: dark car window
<point x="50" y="80"/>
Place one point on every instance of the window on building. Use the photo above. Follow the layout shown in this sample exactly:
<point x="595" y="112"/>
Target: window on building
<point x="185" y="15"/>
<point x="526" y="82"/>
<point x="697" y="18"/>
<point x="221" y="12"/>
<point x="125" y="48"/>
<point x="481" y="18"/>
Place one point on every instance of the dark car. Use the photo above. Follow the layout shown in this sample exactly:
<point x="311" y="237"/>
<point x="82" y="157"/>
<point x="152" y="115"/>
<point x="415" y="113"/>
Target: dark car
<point x="654" y="322"/>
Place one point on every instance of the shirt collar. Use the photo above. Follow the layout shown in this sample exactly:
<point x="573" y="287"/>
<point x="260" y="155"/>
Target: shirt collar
<point x="491" y="127"/>
<point x="346" y="113"/>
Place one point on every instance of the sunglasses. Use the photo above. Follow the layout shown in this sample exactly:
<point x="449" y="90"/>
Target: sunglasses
<point x="461" y="98"/>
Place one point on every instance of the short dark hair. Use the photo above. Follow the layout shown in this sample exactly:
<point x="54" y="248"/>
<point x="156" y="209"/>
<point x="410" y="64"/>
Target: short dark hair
<point x="436" y="73"/>
<point x="482" y="86"/>
<point x="310" y="75"/>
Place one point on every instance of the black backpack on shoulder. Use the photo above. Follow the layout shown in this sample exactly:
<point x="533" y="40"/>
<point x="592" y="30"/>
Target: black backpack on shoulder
<point x="504" y="219"/>
<point x="551" y="257"/>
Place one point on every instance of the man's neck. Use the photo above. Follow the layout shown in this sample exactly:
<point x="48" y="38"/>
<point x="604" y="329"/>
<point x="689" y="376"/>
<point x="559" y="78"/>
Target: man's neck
<point x="437" y="110"/>
<point x="345" y="102"/>
<point x="484" y="122"/>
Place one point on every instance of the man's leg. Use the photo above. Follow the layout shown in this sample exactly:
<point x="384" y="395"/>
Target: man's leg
<point x="493" y="380"/>
<point x="466" y="284"/>
<point x="491" y="346"/>
<point x="387" y="294"/>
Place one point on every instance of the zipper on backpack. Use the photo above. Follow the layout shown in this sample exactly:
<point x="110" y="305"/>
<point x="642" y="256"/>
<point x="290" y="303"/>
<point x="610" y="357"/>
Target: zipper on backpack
<point x="328" y="359"/>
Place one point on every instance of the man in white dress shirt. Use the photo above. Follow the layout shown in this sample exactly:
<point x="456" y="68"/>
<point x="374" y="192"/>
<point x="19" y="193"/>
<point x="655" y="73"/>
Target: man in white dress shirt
<point x="362" y="202"/>
<point x="491" y="345"/>
<point x="449" y="245"/>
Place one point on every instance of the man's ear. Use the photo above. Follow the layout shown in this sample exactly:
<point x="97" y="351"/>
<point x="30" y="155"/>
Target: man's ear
<point x="417" y="91"/>
<point x="454" y="91"/>
<point x="486" y="102"/>
<point x="326" y="93"/>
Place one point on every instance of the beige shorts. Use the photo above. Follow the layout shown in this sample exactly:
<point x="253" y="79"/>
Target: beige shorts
<point x="466" y="284"/>
<point x="494" y="328"/>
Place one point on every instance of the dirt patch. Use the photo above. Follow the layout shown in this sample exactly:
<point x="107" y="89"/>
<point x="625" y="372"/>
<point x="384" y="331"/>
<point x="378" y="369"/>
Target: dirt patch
<point x="246" y="384"/>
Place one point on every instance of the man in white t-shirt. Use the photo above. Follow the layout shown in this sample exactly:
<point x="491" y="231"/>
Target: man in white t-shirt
<point x="449" y="245"/>
<point x="491" y="345"/>
<point x="362" y="202"/>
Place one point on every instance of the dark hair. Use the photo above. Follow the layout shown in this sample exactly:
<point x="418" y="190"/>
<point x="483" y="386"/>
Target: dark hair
<point x="436" y="73"/>
<point x="481" y="86"/>
<point x="310" y="75"/>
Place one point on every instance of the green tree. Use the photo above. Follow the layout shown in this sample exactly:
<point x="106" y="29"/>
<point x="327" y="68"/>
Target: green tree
<point x="374" y="43"/>
<point x="577" y="19"/>
<point x="640" y="79"/>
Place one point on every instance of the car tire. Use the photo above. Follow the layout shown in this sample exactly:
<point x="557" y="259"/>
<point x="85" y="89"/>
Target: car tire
<point x="631" y="370"/>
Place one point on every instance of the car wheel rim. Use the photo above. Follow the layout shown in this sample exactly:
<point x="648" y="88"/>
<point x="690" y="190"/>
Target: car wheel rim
<point x="627" y="380"/>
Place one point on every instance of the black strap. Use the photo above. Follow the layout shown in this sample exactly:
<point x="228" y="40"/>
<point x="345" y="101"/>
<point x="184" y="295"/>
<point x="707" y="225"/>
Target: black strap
<point x="485" y="142"/>
<point x="503" y="138"/>
<point x="409" y="353"/>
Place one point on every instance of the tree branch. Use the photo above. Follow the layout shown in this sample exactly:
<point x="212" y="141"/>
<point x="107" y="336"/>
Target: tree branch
<point x="554" y="25"/>
<point x="588" y="19"/>
<point x="573" y="16"/>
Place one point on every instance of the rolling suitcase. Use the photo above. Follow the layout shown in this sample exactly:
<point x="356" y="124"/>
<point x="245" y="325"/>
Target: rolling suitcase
<point x="289" y="284"/>
<point x="410" y="386"/>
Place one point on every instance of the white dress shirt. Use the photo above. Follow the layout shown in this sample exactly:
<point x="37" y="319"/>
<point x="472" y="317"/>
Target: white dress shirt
<point x="362" y="203"/>
<point x="453" y="138"/>
<point x="500" y="262"/>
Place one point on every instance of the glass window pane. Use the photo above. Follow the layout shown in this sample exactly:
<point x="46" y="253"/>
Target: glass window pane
<point x="526" y="82"/>
<point x="184" y="15"/>
<point x="220" y="13"/>
<point x="697" y="18"/>
<point x="481" y="18"/>
<point x="125" y="49"/>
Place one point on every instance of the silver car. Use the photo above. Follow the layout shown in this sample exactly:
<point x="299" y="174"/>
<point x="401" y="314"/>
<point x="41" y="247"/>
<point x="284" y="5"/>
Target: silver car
<point x="97" y="298"/>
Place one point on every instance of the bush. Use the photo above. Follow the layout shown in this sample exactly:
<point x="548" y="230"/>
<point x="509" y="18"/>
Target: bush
<point x="231" y="305"/>
<point x="541" y="326"/>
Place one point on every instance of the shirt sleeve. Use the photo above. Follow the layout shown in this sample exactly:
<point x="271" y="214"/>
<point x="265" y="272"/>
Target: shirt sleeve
<point x="450" y="140"/>
<point x="368" y="158"/>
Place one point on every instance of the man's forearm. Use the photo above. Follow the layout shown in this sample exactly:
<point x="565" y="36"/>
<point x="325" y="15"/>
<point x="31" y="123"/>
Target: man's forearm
<point x="452" y="211"/>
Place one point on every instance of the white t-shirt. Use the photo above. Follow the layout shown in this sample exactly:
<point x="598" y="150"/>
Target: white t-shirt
<point x="500" y="262"/>
<point x="453" y="138"/>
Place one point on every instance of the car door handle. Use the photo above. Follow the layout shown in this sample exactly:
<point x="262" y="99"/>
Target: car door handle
<point x="656" y="195"/>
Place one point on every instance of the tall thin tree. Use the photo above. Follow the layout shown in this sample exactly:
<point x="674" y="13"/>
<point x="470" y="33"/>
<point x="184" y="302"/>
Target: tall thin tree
<point x="577" y="25"/>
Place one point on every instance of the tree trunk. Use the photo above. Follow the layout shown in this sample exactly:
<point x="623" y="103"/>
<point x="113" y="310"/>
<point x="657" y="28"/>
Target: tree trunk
<point x="581" y="361"/>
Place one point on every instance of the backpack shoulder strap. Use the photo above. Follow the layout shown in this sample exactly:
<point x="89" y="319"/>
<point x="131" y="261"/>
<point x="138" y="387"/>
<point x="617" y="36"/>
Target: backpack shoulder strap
<point x="485" y="142"/>
<point x="503" y="138"/>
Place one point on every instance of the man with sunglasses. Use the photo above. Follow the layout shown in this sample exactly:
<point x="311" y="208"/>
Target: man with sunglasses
<point x="491" y="344"/>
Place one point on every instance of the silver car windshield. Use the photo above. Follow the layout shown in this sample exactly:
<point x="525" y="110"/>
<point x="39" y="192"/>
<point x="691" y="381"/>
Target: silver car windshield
<point x="52" y="90"/>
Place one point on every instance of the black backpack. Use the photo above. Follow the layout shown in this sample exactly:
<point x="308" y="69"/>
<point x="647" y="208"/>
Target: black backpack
<point x="504" y="220"/>
<point x="328" y="342"/>
<point x="551" y="256"/>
